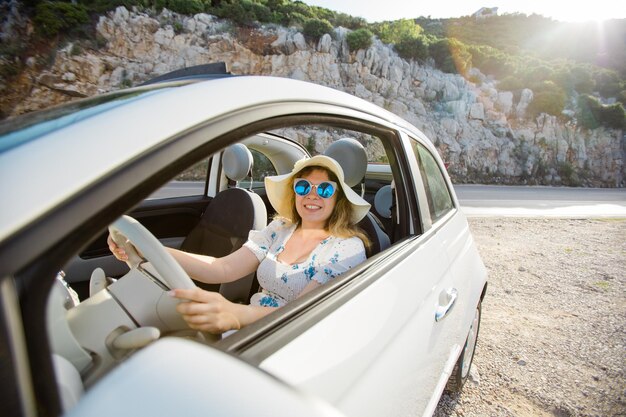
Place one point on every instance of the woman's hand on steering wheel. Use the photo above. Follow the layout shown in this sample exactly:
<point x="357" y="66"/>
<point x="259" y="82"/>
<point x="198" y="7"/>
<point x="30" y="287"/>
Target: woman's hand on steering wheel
<point x="206" y="311"/>
<point x="118" y="252"/>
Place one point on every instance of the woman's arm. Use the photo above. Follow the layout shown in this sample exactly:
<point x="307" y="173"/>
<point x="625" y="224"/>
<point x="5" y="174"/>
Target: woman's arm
<point x="206" y="268"/>
<point x="217" y="270"/>
<point x="211" y="312"/>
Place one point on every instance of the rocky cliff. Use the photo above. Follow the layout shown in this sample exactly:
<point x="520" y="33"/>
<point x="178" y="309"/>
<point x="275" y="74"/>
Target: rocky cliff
<point x="483" y="133"/>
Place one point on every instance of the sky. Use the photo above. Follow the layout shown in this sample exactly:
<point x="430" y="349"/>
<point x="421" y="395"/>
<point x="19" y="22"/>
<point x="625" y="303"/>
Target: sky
<point x="379" y="10"/>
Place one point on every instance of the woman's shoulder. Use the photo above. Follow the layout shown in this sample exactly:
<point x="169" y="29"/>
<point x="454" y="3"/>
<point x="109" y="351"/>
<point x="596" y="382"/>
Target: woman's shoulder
<point x="279" y="224"/>
<point x="342" y="253"/>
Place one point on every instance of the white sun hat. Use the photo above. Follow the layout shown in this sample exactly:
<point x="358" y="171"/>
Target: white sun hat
<point x="279" y="188"/>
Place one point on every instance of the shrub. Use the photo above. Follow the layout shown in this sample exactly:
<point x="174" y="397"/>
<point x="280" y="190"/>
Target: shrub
<point x="52" y="18"/>
<point x="359" y="39"/>
<point x="100" y="41"/>
<point x="275" y="4"/>
<point x="159" y="5"/>
<point x="261" y="12"/>
<point x="565" y="169"/>
<point x="592" y="114"/>
<point x="101" y="6"/>
<point x="413" y="48"/>
<point x="581" y="80"/>
<point x="295" y="18"/>
<point x="607" y="83"/>
<point x="290" y="8"/>
<point x="450" y="55"/>
<point x="613" y="116"/>
<point x="621" y="97"/>
<point x="347" y="21"/>
<point x="492" y="61"/>
<point x="588" y="111"/>
<point x="548" y="98"/>
<point x="568" y="174"/>
<point x="126" y="83"/>
<point x="315" y="28"/>
<point x="511" y="83"/>
<point x="10" y="68"/>
<point x="540" y="72"/>
<point x="189" y="7"/>
<point x="76" y="49"/>
<point x="241" y="13"/>
<point x="394" y="32"/>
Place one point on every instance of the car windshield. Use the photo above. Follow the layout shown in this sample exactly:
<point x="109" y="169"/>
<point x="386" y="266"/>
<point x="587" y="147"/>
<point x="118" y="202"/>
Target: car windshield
<point x="23" y="129"/>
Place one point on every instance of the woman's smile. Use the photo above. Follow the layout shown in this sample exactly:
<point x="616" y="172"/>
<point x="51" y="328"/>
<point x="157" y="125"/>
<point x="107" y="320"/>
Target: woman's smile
<point x="312" y="207"/>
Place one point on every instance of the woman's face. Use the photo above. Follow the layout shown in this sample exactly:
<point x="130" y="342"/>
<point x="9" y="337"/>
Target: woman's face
<point x="313" y="209"/>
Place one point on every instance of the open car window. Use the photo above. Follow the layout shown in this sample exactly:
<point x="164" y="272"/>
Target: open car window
<point x="190" y="182"/>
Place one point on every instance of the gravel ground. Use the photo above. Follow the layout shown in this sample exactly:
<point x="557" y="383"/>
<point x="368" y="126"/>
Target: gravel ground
<point x="552" y="340"/>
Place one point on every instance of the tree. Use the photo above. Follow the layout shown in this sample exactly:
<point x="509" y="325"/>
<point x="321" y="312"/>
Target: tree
<point x="394" y="32"/>
<point x="613" y="116"/>
<point x="54" y="17"/>
<point x="548" y="98"/>
<point x="588" y="111"/>
<point x="450" y="55"/>
<point x="592" y="114"/>
<point x="186" y="6"/>
<point x="359" y="39"/>
<point x="413" y="48"/>
<point x="316" y="28"/>
<point x="607" y="83"/>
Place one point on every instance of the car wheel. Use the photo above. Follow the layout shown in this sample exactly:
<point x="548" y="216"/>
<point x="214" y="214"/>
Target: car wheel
<point x="461" y="370"/>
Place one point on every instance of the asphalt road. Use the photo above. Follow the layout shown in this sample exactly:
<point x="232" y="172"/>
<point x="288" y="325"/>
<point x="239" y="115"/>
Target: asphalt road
<point x="532" y="201"/>
<point x="501" y="200"/>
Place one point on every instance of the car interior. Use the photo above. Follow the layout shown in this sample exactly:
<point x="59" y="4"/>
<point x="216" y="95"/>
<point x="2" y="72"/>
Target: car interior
<point x="209" y="208"/>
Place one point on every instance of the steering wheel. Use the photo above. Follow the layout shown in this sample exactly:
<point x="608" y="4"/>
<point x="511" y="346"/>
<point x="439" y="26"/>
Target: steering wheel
<point x="129" y="234"/>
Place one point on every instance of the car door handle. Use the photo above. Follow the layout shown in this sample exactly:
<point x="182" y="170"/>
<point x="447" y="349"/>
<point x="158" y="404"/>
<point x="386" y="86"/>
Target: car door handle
<point x="449" y="298"/>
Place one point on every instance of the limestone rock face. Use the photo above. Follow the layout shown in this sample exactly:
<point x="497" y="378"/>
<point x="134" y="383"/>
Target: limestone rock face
<point x="482" y="132"/>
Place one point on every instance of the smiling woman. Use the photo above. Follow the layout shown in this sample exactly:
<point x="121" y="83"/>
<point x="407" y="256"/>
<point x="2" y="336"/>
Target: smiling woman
<point x="314" y="240"/>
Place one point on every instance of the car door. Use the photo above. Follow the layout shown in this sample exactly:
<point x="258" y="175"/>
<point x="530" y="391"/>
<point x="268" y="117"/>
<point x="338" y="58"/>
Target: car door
<point x="373" y="347"/>
<point x="450" y="232"/>
<point x="467" y="281"/>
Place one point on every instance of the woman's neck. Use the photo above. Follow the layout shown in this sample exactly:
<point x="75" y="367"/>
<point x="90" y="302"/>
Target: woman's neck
<point x="312" y="229"/>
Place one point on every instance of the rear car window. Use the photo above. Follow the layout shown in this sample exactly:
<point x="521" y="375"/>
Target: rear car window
<point x="437" y="192"/>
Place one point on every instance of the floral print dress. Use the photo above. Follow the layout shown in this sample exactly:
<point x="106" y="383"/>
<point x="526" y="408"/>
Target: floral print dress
<point x="280" y="282"/>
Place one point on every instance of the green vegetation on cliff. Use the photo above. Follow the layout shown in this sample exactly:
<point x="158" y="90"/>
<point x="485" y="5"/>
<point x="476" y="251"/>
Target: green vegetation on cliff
<point x="574" y="69"/>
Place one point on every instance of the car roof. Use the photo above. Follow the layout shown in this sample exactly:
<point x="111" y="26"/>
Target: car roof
<point x="34" y="174"/>
<point x="197" y="72"/>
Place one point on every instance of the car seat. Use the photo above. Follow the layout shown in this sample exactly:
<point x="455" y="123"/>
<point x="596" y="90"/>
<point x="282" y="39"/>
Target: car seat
<point x="224" y="226"/>
<point x="385" y="208"/>
<point x="352" y="158"/>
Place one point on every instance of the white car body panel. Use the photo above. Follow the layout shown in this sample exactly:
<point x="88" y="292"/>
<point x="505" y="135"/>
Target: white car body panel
<point x="177" y="377"/>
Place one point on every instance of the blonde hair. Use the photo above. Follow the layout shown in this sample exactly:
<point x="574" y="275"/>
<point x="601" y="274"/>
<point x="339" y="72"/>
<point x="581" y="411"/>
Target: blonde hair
<point x="338" y="224"/>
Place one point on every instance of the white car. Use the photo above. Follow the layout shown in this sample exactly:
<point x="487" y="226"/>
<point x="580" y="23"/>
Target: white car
<point x="182" y="164"/>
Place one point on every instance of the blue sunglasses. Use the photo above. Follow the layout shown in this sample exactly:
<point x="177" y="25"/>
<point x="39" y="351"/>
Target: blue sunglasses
<point x="325" y="189"/>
